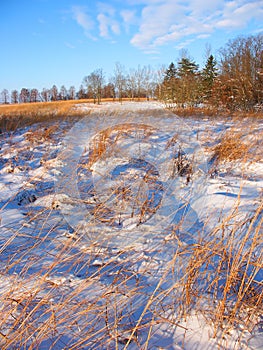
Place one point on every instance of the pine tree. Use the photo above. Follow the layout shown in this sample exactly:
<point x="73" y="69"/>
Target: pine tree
<point x="170" y="83"/>
<point x="209" y="74"/>
<point x="189" y="87"/>
<point x="170" y="73"/>
<point x="187" y="68"/>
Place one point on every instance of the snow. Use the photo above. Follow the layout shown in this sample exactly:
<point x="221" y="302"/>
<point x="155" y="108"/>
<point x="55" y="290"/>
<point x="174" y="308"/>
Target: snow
<point x="75" y="238"/>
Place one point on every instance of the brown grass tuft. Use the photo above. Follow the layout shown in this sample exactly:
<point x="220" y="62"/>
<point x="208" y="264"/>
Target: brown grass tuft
<point x="231" y="148"/>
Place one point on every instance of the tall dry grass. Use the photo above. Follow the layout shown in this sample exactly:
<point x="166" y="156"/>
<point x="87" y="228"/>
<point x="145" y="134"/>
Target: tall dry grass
<point x="18" y="115"/>
<point x="84" y="296"/>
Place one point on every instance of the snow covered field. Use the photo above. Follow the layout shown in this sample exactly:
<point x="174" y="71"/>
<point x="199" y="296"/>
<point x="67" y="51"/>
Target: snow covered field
<point x="126" y="229"/>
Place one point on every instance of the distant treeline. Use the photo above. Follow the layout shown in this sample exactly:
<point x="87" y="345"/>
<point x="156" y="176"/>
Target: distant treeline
<point x="234" y="81"/>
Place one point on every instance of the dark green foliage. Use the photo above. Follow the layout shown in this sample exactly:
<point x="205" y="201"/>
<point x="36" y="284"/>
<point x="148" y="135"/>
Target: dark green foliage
<point x="170" y="73"/>
<point x="209" y="74"/>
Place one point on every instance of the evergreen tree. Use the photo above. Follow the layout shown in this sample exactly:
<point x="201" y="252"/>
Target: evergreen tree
<point x="209" y="74"/>
<point x="187" y="68"/>
<point x="169" y="89"/>
<point x="189" y="87"/>
<point x="170" y="73"/>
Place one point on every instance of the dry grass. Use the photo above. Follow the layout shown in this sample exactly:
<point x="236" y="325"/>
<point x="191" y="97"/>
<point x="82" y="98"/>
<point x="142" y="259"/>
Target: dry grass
<point x="110" y="136"/>
<point x="210" y="111"/>
<point x="216" y="275"/>
<point x="18" y="115"/>
<point x="227" y="262"/>
<point x="231" y="148"/>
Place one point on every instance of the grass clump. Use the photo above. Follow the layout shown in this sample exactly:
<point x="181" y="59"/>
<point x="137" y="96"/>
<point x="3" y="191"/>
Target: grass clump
<point x="231" y="148"/>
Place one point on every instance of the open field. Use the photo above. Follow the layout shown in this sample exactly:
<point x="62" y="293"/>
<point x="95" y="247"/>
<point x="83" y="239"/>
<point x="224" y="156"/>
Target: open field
<point x="13" y="116"/>
<point x="124" y="226"/>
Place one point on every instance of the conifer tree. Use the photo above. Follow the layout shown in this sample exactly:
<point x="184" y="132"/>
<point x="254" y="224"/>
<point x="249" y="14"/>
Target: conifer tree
<point x="209" y="74"/>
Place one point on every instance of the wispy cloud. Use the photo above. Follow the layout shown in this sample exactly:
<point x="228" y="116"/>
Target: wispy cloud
<point x="163" y="22"/>
<point x="70" y="46"/>
<point x="107" y="23"/>
<point x="155" y="23"/>
<point x="83" y="19"/>
<point x="129" y="18"/>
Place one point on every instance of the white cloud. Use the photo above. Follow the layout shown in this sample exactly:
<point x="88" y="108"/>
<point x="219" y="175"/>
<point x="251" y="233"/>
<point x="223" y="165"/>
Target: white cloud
<point x="129" y="18"/>
<point x="164" y="21"/>
<point x="184" y="44"/>
<point x="106" y="9"/>
<point x="160" y="22"/>
<point x="107" y="24"/>
<point x="70" y="46"/>
<point x="82" y="18"/>
<point x="237" y="15"/>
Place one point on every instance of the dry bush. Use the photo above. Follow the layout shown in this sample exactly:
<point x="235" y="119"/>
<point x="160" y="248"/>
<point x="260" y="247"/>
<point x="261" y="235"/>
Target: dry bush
<point x="195" y="111"/>
<point x="231" y="148"/>
<point x="210" y="111"/>
<point x="42" y="134"/>
<point x="110" y="136"/>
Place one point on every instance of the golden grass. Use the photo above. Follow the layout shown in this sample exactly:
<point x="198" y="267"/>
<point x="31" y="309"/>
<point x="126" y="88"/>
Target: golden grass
<point x="110" y="136"/>
<point x="231" y="148"/>
<point x="209" y="111"/>
<point x="18" y="115"/>
<point x="214" y="276"/>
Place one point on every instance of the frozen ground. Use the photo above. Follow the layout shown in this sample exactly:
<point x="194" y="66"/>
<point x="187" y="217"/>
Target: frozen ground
<point x="96" y="219"/>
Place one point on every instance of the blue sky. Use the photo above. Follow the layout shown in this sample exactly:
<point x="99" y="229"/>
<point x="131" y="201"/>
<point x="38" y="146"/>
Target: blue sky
<point x="46" y="42"/>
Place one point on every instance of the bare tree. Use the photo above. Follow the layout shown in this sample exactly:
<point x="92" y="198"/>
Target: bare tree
<point x="148" y="81"/>
<point x="81" y="94"/>
<point x="54" y="93"/>
<point x="158" y="82"/>
<point x="24" y="95"/>
<point x="72" y="93"/>
<point x="139" y="80"/>
<point x="241" y="60"/>
<point x="109" y="91"/>
<point x="34" y="95"/>
<point x="94" y="83"/>
<point x="14" y="96"/>
<point x="63" y="93"/>
<point x="131" y="83"/>
<point x="45" y="95"/>
<point x="119" y="80"/>
<point x="5" y="96"/>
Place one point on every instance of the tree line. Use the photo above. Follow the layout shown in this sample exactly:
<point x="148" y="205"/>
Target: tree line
<point x="234" y="81"/>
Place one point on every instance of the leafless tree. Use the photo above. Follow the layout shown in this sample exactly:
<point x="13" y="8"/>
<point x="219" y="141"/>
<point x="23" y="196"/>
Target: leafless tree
<point x="139" y="80"/>
<point x="63" y="93"/>
<point x="81" y="94"/>
<point x="72" y="93"/>
<point x="119" y="79"/>
<point x="5" y="96"/>
<point x="241" y="60"/>
<point x="94" y="83"/>
<point x="24" y="95"/>
<point x="131" y="83"/>
<point x="109" y="91"/>
<point x="54" y="93"/>
<point x="45" y="95"/>
<point x="14" y="96"/>
<point x="34" y="95"/>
